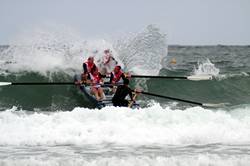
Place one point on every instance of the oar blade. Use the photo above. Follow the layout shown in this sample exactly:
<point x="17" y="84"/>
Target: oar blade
<point x="214" y="105"/>
<point x="200" y="77"/>
<point x="5" y="83"/>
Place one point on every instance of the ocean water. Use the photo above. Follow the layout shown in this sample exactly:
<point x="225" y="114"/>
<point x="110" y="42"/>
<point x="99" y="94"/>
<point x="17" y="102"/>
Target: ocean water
<point x="56" y="125"/>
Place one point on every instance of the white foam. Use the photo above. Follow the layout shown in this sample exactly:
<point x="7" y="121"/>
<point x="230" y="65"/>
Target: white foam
<point x="232" y="75"/>
<point x="152" y="125"/>
<point x="197" y="160"/>
<point x="206" y="68"/>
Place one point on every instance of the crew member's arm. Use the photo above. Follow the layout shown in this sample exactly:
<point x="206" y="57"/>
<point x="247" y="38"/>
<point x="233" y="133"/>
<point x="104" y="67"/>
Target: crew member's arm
<point x="123" y="76"/>
<point x="101" y="80"/>
<point x="114" y="60"/>
<point x="102" y="75"/>
<point x="85" y="69"/>
<point x="111" y="78"/>
<point x="130" y="94"/>
<point x="127" y="75"/>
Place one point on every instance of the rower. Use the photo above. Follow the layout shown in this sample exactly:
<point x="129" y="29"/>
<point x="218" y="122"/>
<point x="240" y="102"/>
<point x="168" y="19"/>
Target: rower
<point x="88" y="66"/>
<point x="108" y="62"/>
<point x="96" y="81"/>
<point x="121" y="93"/>
<point x="116" y="75"/>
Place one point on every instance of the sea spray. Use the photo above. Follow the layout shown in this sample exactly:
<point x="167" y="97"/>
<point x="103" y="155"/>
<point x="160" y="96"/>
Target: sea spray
<point x="143" y="52"/>
<point x="206" y="68"/>
<point x="44" y="51"/>
<point x="55" y="49"/>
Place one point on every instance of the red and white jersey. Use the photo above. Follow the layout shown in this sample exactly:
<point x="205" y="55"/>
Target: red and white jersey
<point x="96" y="79"/>
<point x="89" y="66"/>
<point x="117" y="77"/>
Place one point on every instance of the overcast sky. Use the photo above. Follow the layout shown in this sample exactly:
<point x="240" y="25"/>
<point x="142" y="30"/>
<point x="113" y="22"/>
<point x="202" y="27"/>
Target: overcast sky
<point x="190" y="22"/>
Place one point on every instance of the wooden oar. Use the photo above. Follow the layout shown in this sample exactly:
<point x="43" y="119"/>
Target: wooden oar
<point x="132" y="102"/>
<point x="36" y="83"/>
<point x="54" y="83"/>
<point x="187" y="101"/>
<point x="193" y="77"/>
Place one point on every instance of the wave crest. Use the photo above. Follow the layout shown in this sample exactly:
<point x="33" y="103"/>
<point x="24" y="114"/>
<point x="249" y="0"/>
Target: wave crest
<point x="152" y="125"/>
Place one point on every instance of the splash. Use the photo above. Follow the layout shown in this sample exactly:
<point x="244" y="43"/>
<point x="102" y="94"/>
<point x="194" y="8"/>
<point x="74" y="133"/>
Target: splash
<point x="143" y="52"/>
<point x="52" y="49"/>
<point x="96" y="49"/>
<point x="49" y="50"/>
<point x="206" y="68"/>
<point x="44" y="50"/>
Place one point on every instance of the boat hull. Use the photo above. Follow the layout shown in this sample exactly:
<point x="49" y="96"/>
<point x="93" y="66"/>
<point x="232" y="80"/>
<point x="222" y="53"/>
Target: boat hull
<point x="107" y="101"/>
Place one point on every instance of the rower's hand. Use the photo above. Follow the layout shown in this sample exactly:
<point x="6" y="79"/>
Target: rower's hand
<point x="87" y="82"/>
<point x="93" y="82"/>
<point x="127" y="75"/>
<point x="138" y="90"/>
<point x="103" y="76"/>
<point x="77" y="82"/>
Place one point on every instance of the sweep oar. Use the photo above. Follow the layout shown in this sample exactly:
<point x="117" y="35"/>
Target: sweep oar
<point x="187" y="101"/>
<point x="36" y="83"/>
<point x="193" y="77"/>
<point x="54" y="83"/>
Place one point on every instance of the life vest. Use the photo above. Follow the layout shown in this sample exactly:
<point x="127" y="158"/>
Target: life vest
<point x="96" y="80"/>
<point x="89" y="66"/>
<point x="117" y="77"/>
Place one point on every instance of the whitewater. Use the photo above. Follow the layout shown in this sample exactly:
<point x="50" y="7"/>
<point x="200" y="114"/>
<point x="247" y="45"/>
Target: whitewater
<point x="45" y="125"/>
<point x="121" y="136"/>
